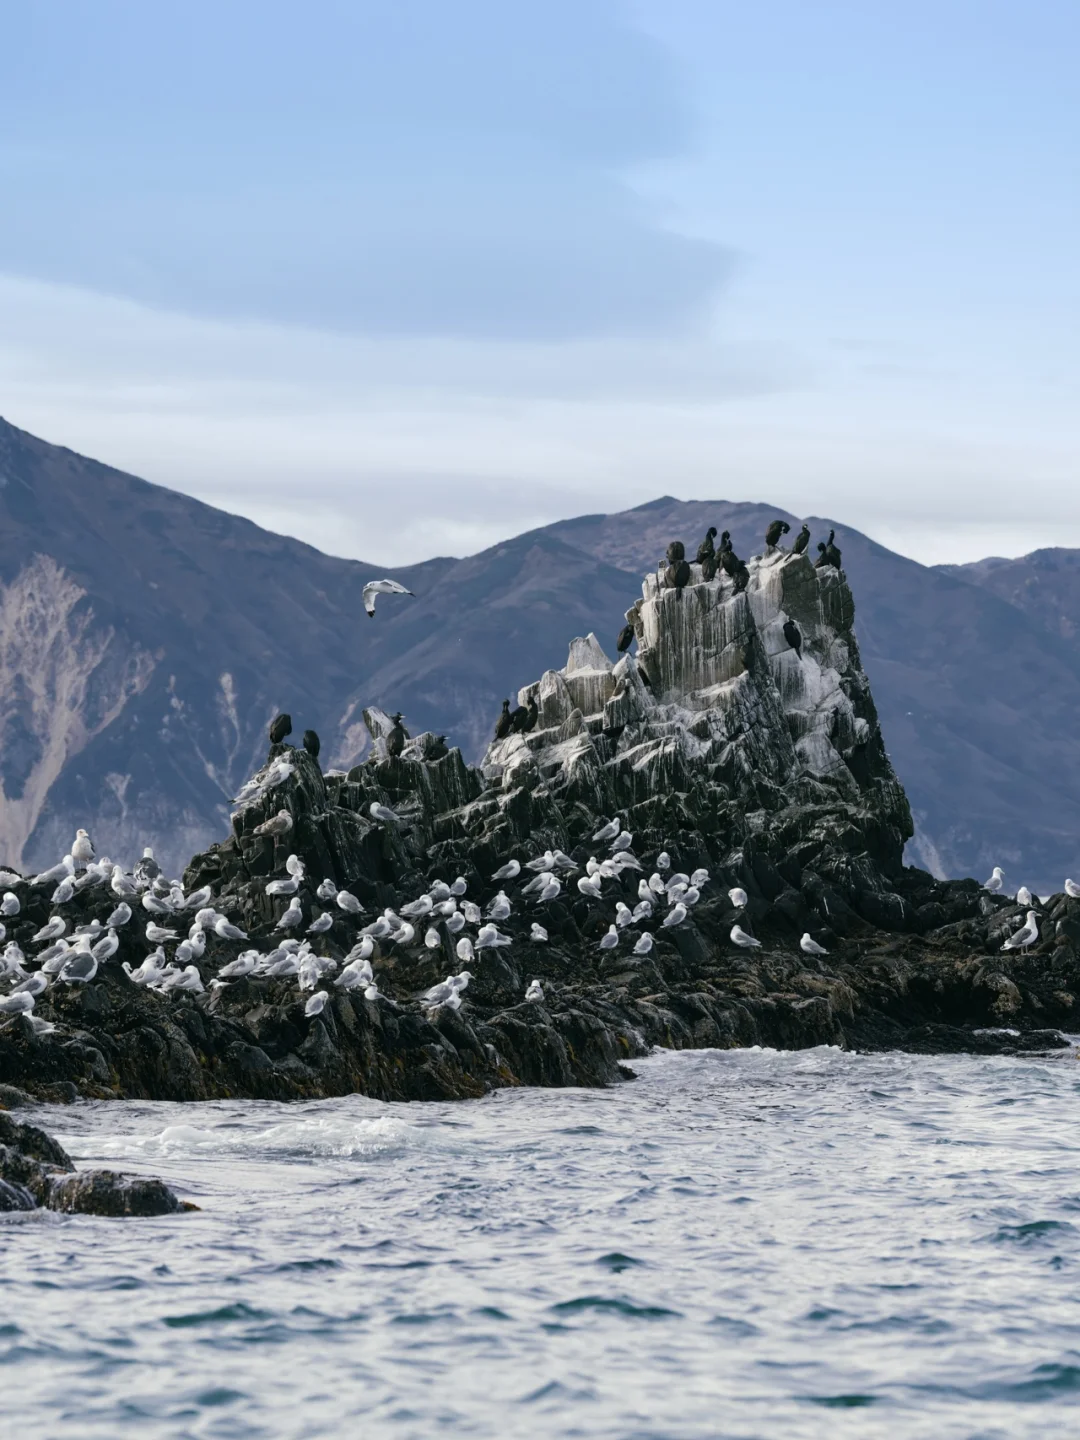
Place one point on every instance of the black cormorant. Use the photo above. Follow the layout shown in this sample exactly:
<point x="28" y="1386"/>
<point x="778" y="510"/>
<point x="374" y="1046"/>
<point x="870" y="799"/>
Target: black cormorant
<point x="395" y="741"/>
<point x="311" y="744"/>
<point x="438" y="749"/>
<point x="281" y="727"/>
<point x="793" y="636"/>
<point x="676" y="551"/>
<point x="705" y="549"/>
<point x="725" y="542"/>
<point x="775" y="530"/>
<point x="677" y="576"/>
<point x="502" y="725"/>
<point x="801" y="541"/>
<point x="532" y="714"/>
<point x="626" y="638"/>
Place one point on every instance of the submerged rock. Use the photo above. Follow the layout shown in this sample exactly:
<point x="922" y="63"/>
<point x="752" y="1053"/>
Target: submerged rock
<point x="719" y="743"/>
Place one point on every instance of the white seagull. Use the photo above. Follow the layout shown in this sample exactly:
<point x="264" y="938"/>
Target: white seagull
<point x="510" y="871"/>
<point x="809" y="946"/>
<point x="1026" y="935"/>
<point x="743" y="940"/>
<point x="381" y="587"/>
<point x="535" y="992"/>
<point x="997" y="879"/>
<point x="538" y="934"/>
<point x="737" y="897"/>
<point x="644" y="944"/>
<point x="1072" y="889"/>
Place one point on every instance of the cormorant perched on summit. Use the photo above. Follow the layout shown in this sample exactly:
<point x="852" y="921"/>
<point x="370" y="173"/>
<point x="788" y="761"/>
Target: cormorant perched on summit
<point x="528" y="717"/>
<point x="706" y="555"/>
<point x="439" y="749"/>
<point x="775" y="530"/>
<point x="626" y="638"/>
<point x="828" y="554"/>
<point x="793" y="636"/>
<point x="677" y="571"/>
<point x="502" y="725"/>
<point x="279" y="728"/>
<point x="801" y="540"/>
<point x="395" y="741"/>
<point x="705" y="549"/>
<point x="725" y="542"/>
<point x="312" y="744"/>
<point x="733" y="566"/>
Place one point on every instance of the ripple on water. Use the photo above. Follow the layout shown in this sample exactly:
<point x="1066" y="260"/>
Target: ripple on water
<point x="871" y="1233"/>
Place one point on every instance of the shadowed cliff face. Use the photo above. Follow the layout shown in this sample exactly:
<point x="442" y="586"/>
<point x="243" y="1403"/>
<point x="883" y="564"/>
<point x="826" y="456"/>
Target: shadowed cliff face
<point x="146" y="640"/>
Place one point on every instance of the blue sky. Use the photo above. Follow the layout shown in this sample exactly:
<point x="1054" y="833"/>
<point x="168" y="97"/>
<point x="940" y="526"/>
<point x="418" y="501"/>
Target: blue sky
<point x="513" y="262"/>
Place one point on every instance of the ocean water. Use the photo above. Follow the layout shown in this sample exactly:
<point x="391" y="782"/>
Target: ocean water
<point x="739" y="1243"/>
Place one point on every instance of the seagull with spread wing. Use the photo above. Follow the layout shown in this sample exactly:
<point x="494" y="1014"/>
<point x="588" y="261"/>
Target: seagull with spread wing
<point x="381" y="587"/>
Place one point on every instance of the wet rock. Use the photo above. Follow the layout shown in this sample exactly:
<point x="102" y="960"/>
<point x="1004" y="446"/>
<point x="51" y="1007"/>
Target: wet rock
<point x="36" y="1171"/>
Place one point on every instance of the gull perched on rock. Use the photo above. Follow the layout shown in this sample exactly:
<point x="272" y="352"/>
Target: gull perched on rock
<point x="432" y="938"/>
<point x="186" y="979"/>
<point x="157" y="933"/>
<point x="80" y="968"/>
<point x="59" y="872"/>
<point x="327" y="890"/>
<point x="150" y="971"/>
<point x="227" y="930"/>
<point x="153" y="906"/>
<point x="663" y="861"/>
<point x="489" y="936"/>
<point x="1072" y="889"/>
<point x="292" y="916"/>
<point x="19" y="1003"/>
<point x="550" y="890"/>
<point x="279" y="824"/>
<point x="198" y="898"/>
<point x="106" y="947"/>
<point x="51" y="930"/>
<point x="743" y="940"/>
<point x="418" y="907"/>
<point x="1023" y="896"/>
<point x="63" y="892"/>
<point x="611" y="939"/>
<point x="609" y="831"/>
<point x="82" y="851"/>
<point x="542" y="862"/>
<point x="538" y="934"/>
<point x="644" y="944"/>
<point x="809" y="946"/>
<point x="381" y="587"/>
<point x="122" y="886"/>
<point x="288" y="885"/>
<point x="459" y="886"/>
<point x="675" y="916"/>
<point x="510" y="871"/>
<point x="699" y="878"/>
<point x="997" y="879"/>
<point x="464" y="949"/>
<point x="348" y="902"/>
<point x="147" y="869"/>
<point x="33" y="985"/>
<point x="535" y="992"/>
<point x="383" y="814"/>
<point x="316" y="1003"/>
<point x="499" y="909"/>
<point x="1026" y="935"/>
<point x="455" y="923"/>
<point x="737" y="897"/>
<point x="589" y="885"/>
<point x="10" y="905"/>
<point x="321" y="924"/>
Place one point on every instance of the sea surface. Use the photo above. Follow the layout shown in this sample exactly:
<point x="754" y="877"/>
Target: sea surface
<point x="736" y="1244"/>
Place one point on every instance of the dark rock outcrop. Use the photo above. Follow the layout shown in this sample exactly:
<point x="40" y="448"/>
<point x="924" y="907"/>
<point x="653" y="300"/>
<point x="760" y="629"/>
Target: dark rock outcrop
<point x="36" y="1171"/>
<point x="716" y="743"/>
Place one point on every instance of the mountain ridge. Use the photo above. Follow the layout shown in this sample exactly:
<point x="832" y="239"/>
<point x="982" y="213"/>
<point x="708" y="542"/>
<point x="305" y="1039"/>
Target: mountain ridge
<point x="193" y="627"/>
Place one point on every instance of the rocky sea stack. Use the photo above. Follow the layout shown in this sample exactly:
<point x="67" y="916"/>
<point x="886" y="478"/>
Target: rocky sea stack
<point x="720" y="744"/>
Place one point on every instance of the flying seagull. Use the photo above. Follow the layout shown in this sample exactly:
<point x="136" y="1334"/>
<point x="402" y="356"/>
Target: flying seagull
<point x="381" y="587"/>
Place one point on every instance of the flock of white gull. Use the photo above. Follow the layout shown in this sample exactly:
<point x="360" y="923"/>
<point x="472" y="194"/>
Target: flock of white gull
<point x="665" y="899"/>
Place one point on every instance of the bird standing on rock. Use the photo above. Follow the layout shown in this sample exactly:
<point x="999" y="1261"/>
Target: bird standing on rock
<point x="625" y="640"/>
<point x="801" y="541"/>
<point x="312" y="743"/>
<point x="677" y="571"/>
<point x="793" y="636"/>
<point x="1072" y="889"/>
<point x="1026" y="935"/>
<point x="279" y="728"/>
<point x="809" y="946"/>
<point x="743" y="940"/>
<point x="395" y="741"/>
<point x="773" y="533"/>
<point x="997" y="879"/>
<point x="502" y="725"/>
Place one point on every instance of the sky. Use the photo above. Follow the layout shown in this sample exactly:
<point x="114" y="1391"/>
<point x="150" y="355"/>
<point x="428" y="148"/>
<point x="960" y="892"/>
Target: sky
<point x="405" y="277"/>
